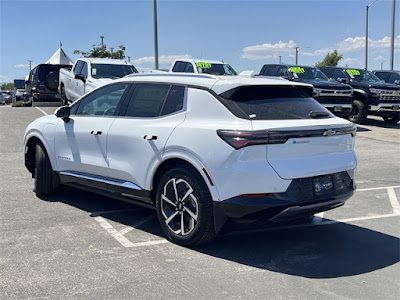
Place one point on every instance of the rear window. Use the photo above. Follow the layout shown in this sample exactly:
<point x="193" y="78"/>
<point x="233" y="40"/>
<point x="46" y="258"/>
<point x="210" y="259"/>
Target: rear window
<point x="273" y="103"/>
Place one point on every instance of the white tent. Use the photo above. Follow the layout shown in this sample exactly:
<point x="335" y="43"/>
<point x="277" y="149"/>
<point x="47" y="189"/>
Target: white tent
<point x="60" y="58"/>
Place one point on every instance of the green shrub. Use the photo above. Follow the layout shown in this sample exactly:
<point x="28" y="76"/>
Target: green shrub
<point x="18" y="104"/>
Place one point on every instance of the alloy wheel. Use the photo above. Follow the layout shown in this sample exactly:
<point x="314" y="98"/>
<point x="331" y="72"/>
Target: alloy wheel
<point x="179" y="206"/>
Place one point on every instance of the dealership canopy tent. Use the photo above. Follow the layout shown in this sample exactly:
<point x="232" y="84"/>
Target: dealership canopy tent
<point x="60" y="58"/>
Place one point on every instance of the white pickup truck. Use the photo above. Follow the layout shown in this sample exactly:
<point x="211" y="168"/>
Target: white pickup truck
<point x="213" y="67"/>
<point x="90" y="73"/>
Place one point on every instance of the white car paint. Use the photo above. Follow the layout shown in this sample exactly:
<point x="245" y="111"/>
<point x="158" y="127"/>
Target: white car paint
<point x="122" y="152"/>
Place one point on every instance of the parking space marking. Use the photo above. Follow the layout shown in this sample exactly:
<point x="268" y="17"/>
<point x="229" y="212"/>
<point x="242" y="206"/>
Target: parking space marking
<point x="120" y="235"/>
<point x="318" y="220"/>
<point x="393" y="200"/>
<point x="379" y="188"/>
<point x="45" y="113"/>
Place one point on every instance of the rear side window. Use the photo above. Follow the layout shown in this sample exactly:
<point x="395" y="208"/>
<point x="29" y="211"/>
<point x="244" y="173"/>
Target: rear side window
<point x="147" y="100"/>
<point x="174" y="101"/>
<point x="383" y="76"/>
<point x="179" y="66"/>
<point x="273" y="103"/>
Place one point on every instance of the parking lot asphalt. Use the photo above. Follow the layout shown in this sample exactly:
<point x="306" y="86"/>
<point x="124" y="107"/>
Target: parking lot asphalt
<point x="77" y="245"/>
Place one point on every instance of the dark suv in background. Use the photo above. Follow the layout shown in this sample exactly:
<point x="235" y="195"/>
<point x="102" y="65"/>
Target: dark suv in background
<point x="388" y="76"/>
<point x="42" y="84"/>
<point x="371" y="95"/>
<point x="334" y="96"/>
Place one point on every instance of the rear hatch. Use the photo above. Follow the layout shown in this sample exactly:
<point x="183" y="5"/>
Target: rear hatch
<point x="301" y="137"/>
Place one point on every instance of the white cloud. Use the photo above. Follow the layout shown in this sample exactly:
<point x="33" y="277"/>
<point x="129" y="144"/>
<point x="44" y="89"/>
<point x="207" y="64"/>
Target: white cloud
<point x="351" y="62"/>
<point x="319" y="52"/>
<point x="269" y="50"/>
<point x="358" y="43"/>
<point x="162" y="59"/>
<point x="380" y="57"/>
<point x="22" y="66"/>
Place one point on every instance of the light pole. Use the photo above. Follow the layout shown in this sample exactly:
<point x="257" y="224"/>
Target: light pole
<point x="297" y="54"/>
<point x="280" y="59"/>
<point x="155" y="35"/>
<point x="129" y="59"/>
<point x="366" y="34"/>
<point x="30" y="65"/>
<point x="102" y="44"/>
<point x="392" y="39"/>
<point x="112" y="52"/>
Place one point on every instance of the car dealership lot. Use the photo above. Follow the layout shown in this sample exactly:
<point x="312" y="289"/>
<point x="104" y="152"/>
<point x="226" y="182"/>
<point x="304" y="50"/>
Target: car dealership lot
<point x="80" y="245"/>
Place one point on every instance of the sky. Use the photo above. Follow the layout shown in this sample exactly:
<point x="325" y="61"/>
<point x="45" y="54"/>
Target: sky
<point x="246" y="33"/>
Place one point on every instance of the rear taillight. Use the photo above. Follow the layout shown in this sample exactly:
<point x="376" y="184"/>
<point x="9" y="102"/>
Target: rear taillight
<point x="239" y="139"/>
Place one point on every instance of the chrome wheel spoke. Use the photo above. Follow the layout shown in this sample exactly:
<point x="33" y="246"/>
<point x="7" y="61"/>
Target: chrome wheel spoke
<point x="167" y="221"/>
<point x="182" y="224"/>
<point x="175" y="190"/>
<point x="189" y="192"/>
<point x="192" y="214"/>
<point x="163" y="197"/>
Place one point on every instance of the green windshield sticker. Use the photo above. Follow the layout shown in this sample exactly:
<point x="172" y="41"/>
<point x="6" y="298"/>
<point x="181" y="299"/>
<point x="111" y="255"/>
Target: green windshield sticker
<point x="203" y="65"/>
<point x="296" y="70"/>
<point x="353" y="72"/>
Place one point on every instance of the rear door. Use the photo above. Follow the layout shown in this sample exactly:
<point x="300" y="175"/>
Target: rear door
<point x="137" y="139"/>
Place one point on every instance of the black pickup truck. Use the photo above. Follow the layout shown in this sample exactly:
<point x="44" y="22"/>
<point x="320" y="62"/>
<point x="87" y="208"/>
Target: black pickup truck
<point x="336" y="97"/>
<point x="371" y="95"/>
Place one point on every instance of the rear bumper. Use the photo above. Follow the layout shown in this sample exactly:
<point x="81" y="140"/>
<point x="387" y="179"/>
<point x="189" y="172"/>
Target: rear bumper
<point x="299" y="200"/>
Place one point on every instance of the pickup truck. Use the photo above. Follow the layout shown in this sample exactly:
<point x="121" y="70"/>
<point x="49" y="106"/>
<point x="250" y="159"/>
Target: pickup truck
<point x="371" y="95"/>
<point x="334" y="96"/>
<point x="88" y="74"/>
<point x="213" y="67"/>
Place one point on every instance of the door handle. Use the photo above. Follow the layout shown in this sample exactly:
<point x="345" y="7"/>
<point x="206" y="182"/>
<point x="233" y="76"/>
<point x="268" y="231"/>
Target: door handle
<point x="150" y="137"/>
<point x="96" y="132"/>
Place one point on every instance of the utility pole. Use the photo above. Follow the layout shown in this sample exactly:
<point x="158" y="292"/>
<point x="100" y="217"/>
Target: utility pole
<point x="297" y="54"/>
<point x="112" y="51"/>
<point x="381" y="65"/>
<point x="392" y="39"/>
<point x="102" y="44"/>
<point x="30" y="65"/>
<point x="366" y="33"/>
<point x="129" y="59"/>
<point x="155" y="35"/>
<point x="280" y="59"/>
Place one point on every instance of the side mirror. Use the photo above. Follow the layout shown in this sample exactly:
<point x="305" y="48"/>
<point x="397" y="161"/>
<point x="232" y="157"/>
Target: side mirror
<point x="397" y="82"/>
<point x="63" y="112"/>
<point x="80" y="77"/>
<point x="342" y="80"/>
<point x="27" y="82"/>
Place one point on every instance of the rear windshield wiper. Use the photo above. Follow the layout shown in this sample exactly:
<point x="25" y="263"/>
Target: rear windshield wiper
<point x="318" y="114"/>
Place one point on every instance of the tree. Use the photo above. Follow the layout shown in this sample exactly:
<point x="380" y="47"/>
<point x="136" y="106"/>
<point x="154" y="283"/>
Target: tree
<point x="7" y="86"/>
<point x="331" y="59"/>
<point x="98" y="51"/>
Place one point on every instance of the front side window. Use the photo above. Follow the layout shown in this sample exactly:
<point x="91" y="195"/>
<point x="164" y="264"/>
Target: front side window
<point x="111" y="71"/>
<point x="273" y="103"/>
<point x="78" y="67"/>
<point x="102" y="102"/>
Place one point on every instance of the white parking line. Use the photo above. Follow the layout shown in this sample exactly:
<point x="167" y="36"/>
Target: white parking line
<point x="393" y="200"/>
<point x="45" y="113"/>
<point x="318" y="220"/>
<point x="379" y="188"/>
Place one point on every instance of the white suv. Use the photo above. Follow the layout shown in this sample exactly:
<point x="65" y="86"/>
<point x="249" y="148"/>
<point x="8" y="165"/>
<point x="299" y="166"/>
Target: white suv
<point x="200" y="148"/>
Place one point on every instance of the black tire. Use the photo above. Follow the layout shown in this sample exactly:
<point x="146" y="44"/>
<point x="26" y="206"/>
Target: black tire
<point x="393" y="119"/>
<point x="358" y="112"/>
<point x="45" y="177"/>
<point x="196" y="204"/>
<point x="51" y="81"/>
<point x="63" y="97"/>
